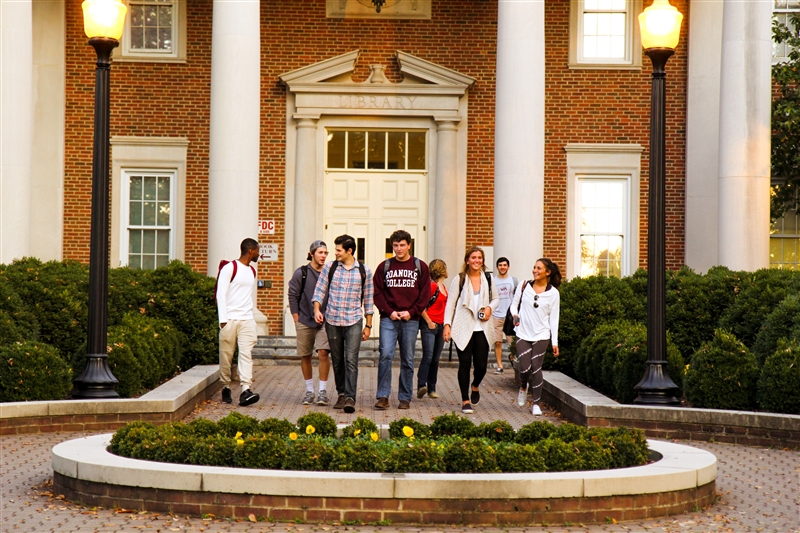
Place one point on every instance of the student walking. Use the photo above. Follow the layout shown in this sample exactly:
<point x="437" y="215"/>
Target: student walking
<point x="467" y="320"/>
<point x="402" y="291"/>
<point x="345" y="287"/>
<point x="311" y="336"/>
<point x="431" y="329"/>
<point x="506" y="285"/>
<point x="236" y="281"/>
<point x="536" y="313"/>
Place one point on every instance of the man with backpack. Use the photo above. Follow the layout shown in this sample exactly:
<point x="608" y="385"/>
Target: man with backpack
<point x="506" y="285"/>
<point x="343" y="288"/>
<point x="310" y="335"/>
<point x="402" y="291"/>
<point x="236" y="281"/>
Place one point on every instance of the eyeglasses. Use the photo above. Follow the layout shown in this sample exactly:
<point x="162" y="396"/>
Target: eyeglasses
<point x="535" y="300"/>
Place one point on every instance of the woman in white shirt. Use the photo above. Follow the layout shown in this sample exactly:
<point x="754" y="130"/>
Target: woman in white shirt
<point x="536" y="313"/>
<point x="467" y="320"/>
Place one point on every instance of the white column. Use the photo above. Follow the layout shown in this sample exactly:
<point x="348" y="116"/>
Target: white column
<point x="305" y="191"/>
<point x="519" y="134"/>
<point x="234" y="131"/>
<point x="702" y="135"/>
<point x="446" y="232"/>
<point x="16" y="128"/>
<point x="744" y="133"/>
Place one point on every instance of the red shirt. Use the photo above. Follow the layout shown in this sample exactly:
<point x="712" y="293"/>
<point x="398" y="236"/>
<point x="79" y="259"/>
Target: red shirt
<point x="436" y="311"/>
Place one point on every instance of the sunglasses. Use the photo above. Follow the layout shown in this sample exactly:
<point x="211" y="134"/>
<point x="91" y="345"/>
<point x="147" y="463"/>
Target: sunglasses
<point x="535" y="300"/>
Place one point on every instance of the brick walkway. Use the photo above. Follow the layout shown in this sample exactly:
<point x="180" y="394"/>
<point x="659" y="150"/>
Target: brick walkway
<point x="759" y="488"/>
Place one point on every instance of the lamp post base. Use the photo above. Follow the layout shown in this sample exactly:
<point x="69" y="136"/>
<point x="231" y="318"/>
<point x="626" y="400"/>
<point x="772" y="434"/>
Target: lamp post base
<point x="656" y="387"/>
<point x="96" y="381"/>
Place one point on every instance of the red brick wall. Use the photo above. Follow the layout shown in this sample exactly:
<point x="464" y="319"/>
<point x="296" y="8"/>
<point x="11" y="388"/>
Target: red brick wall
<point x="610" y="106"/>
<point x="173" y="100"/>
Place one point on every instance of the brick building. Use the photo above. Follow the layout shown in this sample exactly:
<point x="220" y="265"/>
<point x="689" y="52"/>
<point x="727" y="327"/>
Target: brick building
<point x="522" y="127"/>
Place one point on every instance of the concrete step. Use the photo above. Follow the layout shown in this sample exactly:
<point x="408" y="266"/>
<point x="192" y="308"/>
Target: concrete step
<point x="277" y="350"/>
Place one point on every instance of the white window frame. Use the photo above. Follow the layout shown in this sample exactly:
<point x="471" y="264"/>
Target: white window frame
<point x="124" y="240"/>
<point x="603" y="161"/>
<point x="149" y="155"/>
<point x="625" y="180"/>
<point x="633" y="42"/>
<point x="781" y="11"/>
<point x="178" y="52"/>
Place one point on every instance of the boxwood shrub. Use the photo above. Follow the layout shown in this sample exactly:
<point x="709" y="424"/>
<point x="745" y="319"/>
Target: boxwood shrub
<point x="17" y="324"/>
<point x="323" y="425"/>
<point x="362" y="426"/>
<point x="498" y="431"/>
<point x="31" y="371"/>
<point x="778" y="390"/>
<point x="722" y="374"/>
<point x="397" y="427"/>
<point x="452" y="424"/>
<point x="236" y="440"/>
<point x="779" y="324"/>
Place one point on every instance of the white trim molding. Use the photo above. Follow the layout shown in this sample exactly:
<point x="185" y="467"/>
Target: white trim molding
<point x="633" y="41"/>
<point x="615" y="161"/>
<point x="179" y="35"/>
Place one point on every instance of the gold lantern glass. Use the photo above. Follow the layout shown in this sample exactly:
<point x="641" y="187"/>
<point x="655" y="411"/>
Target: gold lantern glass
<point x="660" y="25"/>
<point x="104" y="18"/>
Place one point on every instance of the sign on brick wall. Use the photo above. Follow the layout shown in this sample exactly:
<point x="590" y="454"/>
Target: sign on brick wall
<point x="267" y="252"/>
<point x="266" y="227"/>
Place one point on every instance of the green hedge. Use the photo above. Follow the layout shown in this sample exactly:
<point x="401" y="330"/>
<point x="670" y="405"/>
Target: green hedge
<point x="240" y="440"/>
<point x="32" y="371"/>
<point x="778" y="390"/>
<point x="779" y="324"/>
<point x="722" y="374"/>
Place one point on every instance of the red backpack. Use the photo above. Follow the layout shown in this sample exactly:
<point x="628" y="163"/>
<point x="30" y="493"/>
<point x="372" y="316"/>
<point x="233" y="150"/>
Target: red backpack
<point x="235" y="268"/>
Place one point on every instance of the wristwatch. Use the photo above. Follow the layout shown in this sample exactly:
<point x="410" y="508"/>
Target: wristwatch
<point x="368" y="326"/>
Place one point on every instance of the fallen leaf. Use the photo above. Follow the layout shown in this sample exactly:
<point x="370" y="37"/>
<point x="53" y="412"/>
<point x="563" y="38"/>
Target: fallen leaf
<point x="252" y="517"/>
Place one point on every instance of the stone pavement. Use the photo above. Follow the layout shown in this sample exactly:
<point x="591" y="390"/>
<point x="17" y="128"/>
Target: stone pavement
<point x="759" y="488"/>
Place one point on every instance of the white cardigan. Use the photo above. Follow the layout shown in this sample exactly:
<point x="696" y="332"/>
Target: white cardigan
<point x="461" y="314"/>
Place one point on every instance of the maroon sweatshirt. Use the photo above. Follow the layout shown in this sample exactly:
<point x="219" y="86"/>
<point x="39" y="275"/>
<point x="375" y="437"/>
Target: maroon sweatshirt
<point x="401" y="289"/>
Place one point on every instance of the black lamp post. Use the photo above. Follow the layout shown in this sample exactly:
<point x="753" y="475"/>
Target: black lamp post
<point x="103" y="20"/>
<point x="660" y="28"/>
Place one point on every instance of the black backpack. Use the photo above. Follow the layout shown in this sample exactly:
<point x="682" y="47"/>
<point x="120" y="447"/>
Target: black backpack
<point x="361" y="269"/>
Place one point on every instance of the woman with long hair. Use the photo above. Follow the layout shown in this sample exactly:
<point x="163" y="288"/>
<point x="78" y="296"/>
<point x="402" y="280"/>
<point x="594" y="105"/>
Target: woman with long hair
<point x="536" y="312"/>
<point x="431" y="329"/>
<point x="467" y="321"/>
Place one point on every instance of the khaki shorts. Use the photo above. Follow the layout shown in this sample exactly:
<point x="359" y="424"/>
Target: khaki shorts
<point x="310" y="340"/>
<point x="498" y="328"/>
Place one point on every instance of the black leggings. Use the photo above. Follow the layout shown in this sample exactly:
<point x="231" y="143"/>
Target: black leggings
<point x="475" y="354"/>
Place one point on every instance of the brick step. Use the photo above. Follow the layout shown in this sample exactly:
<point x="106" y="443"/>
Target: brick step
<point x="278" y="350"/>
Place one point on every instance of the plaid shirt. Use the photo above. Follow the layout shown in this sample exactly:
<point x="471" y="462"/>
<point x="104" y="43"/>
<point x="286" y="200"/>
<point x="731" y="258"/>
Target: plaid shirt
<point x="344" y="298"/>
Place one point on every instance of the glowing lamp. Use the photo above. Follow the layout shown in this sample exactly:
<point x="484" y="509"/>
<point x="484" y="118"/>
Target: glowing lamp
<point x="660" y="25"/>
<point x="104" y="18"/>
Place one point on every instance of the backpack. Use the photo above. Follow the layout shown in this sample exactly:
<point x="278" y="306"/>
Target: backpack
<point x="304" y="271"/>
<point x="463" y="277"/>
<point x="361" y="269"/>
<point x="388" y="263"/>
<point x="508" y="322"/>
<point x="433" y="298"/>
<point x="235" y="268"/>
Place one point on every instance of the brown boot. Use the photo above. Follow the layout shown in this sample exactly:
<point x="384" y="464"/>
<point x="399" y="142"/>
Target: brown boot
<point x="340" y="402"/>
<point x="382" y="404"/>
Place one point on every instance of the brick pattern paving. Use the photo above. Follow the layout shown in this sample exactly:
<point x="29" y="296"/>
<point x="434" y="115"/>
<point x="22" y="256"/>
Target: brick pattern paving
<point x="759" y="488"/>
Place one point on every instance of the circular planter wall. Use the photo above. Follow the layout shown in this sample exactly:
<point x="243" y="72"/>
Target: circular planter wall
<point x="683" y="479"/>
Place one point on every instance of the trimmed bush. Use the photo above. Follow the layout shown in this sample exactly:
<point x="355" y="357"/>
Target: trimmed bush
<point x="33" y="371"/>
<point x="592" y="455"/>
<point x="586" y="303"/>
<point x="324" y="425"/>
<point x="568" y="432"/>
<point x="469" y="456"/>
<point x="356" y="455"/>
<point x="452" y="424"/>
<point x="235" y="422"/>
<point x="129" y="435"/>
<point x="778" y="390"/>
<point x="628" y="446"/>
<point x="559" y="456"/>
<point x="216" y="450"/>
<point x="17" y="324"/>
<point x="779" y="324"/>
<point x="276" y="426"/>
<point x="416" y="457"/>
<point x="175" y="446"/>
<point x="308" y="454"/>
<point x="534" y="432"/>
<point x="498" y="431"/>
<point x="268" y="451"/>
<point x="760" y="292"/>
<point x="396" y="428"/>
<point x="127" y="293"/>
<point x="722" y="374"/>
<point x="519" y="458"/>
<point x="202" y="427"/>
<point x="364" y="427"/>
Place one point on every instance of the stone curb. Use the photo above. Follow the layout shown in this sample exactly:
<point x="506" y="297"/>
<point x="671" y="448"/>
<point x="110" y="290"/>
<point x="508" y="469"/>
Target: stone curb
<point x="681" y="467"/>
<point x="167" y="398"/>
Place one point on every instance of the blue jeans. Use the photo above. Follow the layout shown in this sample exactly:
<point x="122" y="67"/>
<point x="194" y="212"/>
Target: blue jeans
<point x="432" y="344"/>
<point x="392" y="332"/>
<point x="345" y="342"/>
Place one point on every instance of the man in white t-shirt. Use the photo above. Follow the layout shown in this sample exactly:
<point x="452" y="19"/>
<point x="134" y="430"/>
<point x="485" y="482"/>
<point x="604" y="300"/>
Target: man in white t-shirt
<point x="506" y="285"/>
<point x="236" y="282"/>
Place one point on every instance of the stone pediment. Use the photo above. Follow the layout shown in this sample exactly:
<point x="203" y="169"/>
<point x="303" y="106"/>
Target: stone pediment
<point x="327" y="87"/>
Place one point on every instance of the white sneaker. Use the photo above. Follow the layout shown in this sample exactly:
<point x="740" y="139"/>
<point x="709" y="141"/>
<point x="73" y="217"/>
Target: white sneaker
<point x="522" y="397"/>
<point x="536" y="411"/>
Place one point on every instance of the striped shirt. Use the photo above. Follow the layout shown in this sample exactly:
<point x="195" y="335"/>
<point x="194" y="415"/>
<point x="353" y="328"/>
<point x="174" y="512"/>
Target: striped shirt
<point x="344" y="298"/>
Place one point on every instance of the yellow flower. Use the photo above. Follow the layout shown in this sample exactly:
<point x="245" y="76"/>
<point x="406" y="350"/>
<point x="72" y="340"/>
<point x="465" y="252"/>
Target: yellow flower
<point x="686" y="369"/>
<point x="238" y="435"/>
<point x="293" y="435"/>
<point x="240" y="442"/>
<point x="374" y="436"/>
<point x="310" y="429"/>
<point x="407" y="431"/>
<point x="356" y="432"/>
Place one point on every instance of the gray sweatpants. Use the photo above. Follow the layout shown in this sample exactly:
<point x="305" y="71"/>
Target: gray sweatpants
<point x="530" y="356"/>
